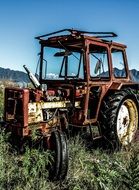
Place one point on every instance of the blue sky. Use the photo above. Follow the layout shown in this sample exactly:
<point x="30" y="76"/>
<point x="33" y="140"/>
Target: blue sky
<point x="21" y="21"/>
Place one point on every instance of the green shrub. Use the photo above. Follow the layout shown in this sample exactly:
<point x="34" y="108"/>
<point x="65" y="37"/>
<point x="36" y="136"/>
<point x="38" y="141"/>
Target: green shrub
<point x="1" y="103"/>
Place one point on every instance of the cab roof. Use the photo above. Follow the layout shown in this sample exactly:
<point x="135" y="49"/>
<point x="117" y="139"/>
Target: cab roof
<point x="76" y="38"/>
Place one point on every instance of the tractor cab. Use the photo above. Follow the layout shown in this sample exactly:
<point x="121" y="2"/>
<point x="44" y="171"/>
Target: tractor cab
<point x="80" y="57"/>
<point x="82" y="66"/>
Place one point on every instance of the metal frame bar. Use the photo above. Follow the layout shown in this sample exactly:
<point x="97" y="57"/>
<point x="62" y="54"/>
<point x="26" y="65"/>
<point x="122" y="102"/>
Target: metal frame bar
<point x="79" y="32"/>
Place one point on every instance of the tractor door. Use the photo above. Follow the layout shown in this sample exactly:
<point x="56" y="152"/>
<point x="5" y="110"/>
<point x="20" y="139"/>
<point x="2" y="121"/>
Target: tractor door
<point x="99" y="76"/>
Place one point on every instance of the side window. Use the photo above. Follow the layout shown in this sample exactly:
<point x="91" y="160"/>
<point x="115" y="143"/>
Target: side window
<point x="98" y="61"/>
<point x="118" y="63"/>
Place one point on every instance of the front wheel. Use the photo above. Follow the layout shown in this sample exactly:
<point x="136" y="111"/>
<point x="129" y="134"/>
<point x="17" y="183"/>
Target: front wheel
<point x="119" y="118"/>
<point x="59" y="162"/>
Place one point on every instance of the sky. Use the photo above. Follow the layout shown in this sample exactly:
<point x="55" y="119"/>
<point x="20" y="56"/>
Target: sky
<point x="21" y="21"/>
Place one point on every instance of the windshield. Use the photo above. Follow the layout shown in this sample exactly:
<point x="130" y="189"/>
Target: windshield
<point x="61" y="64"/>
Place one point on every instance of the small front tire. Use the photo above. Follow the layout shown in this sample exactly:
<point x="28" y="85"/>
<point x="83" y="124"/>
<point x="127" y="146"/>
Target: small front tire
<point x="59" y="162"/>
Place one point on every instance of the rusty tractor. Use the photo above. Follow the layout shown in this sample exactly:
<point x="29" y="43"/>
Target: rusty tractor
<point x="82" y="80"/>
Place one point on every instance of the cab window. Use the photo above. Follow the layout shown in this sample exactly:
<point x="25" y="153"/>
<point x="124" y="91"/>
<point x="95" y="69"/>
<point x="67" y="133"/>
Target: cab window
<point x="118" y="63"/>
<point x="98" y="61"/>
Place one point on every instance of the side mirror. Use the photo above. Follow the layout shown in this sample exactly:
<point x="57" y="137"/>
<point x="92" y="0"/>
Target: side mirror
<point x="98" y="67"/>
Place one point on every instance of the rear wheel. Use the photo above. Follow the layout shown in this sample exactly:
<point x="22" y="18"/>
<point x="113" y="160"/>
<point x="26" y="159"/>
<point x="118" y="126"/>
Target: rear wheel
<point x="119" y="118"/>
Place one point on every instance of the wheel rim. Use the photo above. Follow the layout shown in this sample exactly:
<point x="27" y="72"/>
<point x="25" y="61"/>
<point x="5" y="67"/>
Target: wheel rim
<point x="127" y="121"/>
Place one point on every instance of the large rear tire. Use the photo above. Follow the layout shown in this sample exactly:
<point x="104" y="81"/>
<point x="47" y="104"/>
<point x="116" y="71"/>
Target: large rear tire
<point x="119" y="118"/>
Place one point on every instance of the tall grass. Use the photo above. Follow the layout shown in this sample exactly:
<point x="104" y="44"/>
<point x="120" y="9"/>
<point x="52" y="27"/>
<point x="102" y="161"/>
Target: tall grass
<point x="26" y="171"/>
<point x="1" y="102"/>
<point x="88" y="169"/>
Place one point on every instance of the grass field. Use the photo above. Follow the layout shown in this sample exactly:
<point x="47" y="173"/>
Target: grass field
<point x="89" y="168"/>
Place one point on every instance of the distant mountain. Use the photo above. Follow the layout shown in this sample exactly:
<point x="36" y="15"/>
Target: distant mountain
<point x="21" y="77"/>
<point x="120" y="73"/>
<point x="135" y="75"/>
<point x="15" y="76"/>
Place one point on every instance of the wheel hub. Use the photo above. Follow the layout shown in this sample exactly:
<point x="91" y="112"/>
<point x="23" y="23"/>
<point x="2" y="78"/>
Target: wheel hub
<point x="127" y="121"/>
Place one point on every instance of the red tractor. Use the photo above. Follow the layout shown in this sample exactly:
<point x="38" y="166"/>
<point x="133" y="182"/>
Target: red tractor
<point x="82" y="80"/>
